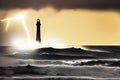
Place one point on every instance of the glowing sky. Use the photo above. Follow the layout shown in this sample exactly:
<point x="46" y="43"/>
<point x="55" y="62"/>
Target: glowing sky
<point x="74" y="27"/>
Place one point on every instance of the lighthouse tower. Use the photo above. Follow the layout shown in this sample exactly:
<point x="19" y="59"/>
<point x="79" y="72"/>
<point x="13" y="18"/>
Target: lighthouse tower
<point x="38" y="33"/>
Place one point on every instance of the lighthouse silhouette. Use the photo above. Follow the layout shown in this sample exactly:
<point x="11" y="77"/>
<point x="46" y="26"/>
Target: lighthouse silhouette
<point x="38" y="33"/>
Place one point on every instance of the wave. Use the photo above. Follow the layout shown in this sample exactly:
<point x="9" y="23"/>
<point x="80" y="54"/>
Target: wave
<point x="95" y="72"/>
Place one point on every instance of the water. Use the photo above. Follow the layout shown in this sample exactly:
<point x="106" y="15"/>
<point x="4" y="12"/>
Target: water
<point x="29" y="67"/>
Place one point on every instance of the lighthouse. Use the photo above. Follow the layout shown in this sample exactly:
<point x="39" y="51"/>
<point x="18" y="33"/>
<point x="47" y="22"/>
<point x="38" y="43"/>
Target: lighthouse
<point x="38" y="33"/>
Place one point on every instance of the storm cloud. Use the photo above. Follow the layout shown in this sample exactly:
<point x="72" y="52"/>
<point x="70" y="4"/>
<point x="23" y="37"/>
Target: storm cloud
<point x="60" y="4"/>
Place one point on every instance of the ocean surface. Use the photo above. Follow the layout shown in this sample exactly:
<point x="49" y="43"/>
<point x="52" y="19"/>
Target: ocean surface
<point x="24" y="65"/>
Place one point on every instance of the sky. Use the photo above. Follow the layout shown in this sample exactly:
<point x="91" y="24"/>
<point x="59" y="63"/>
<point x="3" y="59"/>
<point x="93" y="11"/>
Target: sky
<point x="72" y="22"/>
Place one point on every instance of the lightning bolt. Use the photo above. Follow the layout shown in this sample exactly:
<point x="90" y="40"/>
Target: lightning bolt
<point x="18" y="17"/>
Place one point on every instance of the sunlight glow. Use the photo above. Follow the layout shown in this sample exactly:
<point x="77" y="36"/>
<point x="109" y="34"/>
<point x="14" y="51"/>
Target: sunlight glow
<point x="23" y="44"/>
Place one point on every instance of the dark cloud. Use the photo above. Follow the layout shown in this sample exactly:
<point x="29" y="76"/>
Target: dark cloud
<point x="60" y="4"/>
